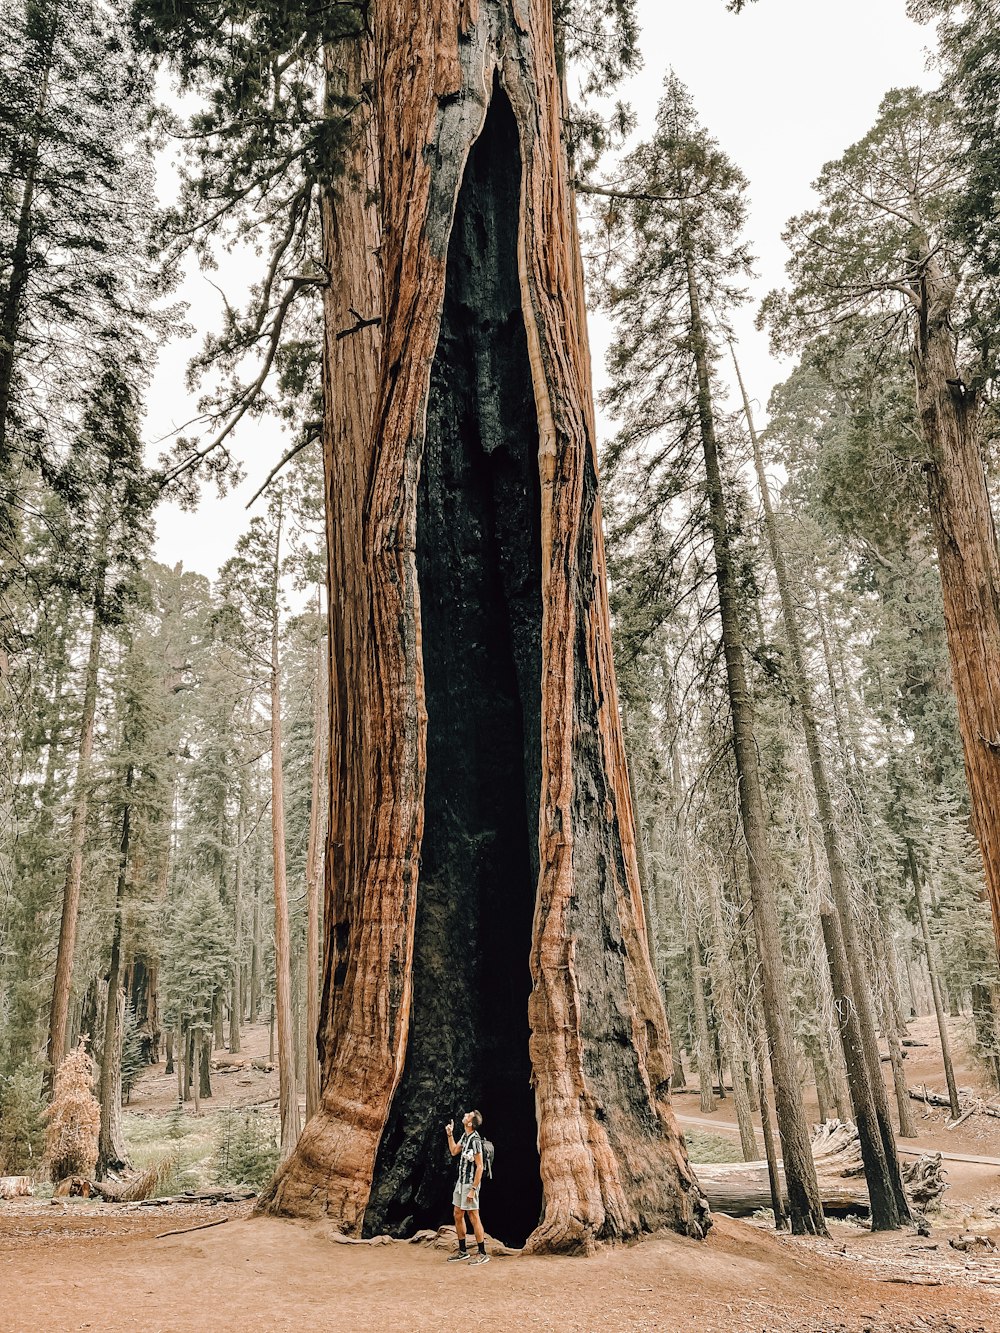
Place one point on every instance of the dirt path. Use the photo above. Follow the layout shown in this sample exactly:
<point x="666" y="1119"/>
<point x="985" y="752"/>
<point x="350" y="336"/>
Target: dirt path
<point x="733" y="1128"/>
<point x="75" y="1271"/>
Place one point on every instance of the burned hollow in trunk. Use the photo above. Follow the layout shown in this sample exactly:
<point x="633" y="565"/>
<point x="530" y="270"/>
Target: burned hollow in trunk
<point x="479" y="573"/>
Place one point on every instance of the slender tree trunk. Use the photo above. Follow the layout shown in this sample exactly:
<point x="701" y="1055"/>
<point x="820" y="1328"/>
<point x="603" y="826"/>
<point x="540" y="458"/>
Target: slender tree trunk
<point x="821" y="1079"/>
<point x="253" y="1012"/>
<point x="481" y="284"/>
<point x="968" y="558"/>
<point x="910" y="981"/>
<point x="907" y="1129"/>
<point x="236" y="994"/>
<point x="63" y="980"/>
<point x="779" y="1204"/>
<point x="314" y="874"/>
<point x="893" y="1025"/>
<point x="890" y="1208"/>
<point x="288" y="1102"/>
<point x="204" y="1067"/>
<point x="169" y="1051"/>
<point x="218" y="1031"/>
<point x="112" y="1154"/>
<point x="885" y="1215"/>
<point x="942" y="1022"/>
<point x="195" y="1068"/>
<point x="724" y="987"/>
<point x="703" y="1040"/>
<point x="805" y="1207"/>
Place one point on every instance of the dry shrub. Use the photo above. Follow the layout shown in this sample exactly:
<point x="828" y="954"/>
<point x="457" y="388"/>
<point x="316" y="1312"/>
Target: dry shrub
<point x="74" y="1117"/>
<point x="146" y="1183"/>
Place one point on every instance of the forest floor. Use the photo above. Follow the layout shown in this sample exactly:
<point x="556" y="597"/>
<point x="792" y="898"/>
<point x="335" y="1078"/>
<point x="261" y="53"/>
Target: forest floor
<point x="80" y="1264"/>
<point x="972" y="1199"/>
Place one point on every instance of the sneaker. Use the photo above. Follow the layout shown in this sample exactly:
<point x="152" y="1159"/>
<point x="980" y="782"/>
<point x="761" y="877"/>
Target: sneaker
<point x="480" y="1259"/>
<point x="458" y="1256"/>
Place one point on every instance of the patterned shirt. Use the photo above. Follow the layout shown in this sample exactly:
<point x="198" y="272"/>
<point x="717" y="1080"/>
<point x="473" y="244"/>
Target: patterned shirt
<point x="469" y="1145"/>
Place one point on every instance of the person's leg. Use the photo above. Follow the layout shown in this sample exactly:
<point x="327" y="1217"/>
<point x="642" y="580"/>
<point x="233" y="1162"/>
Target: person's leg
<point x="477" y="1228"/>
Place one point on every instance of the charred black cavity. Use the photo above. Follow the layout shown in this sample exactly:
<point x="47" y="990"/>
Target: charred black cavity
<point x="479" y="571"/>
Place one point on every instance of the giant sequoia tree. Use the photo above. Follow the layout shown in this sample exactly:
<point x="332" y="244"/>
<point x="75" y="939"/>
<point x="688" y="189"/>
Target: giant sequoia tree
<point x="486" y="935"/>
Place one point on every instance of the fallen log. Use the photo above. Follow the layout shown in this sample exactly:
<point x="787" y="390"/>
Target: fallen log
<point x="973" y="1105"/>
<point x="202" y="1196"/>
<point x="742" y="1188"/>
<point x="14" y="1187"/>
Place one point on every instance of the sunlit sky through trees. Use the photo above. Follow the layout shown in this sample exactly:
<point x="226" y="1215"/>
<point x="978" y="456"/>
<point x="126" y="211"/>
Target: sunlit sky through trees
<point x="784" y="87"/>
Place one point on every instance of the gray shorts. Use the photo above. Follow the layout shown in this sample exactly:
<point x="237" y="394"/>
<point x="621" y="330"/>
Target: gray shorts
<point x="461" y="1195"/>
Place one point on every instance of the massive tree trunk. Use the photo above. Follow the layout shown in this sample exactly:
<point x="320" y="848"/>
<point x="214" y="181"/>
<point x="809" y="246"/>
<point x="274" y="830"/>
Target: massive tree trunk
<point x="968" y="558"/>
<point x="486" y="943"/>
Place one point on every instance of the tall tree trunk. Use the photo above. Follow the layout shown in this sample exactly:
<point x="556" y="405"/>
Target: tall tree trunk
<point x="194" y="1068"/>
<point x="112" y="1154"/>
<point x="804" y="1206"/>
<point x="852" y="988"/>
<point x="218" y="1018"/>
<point x="894" y="1025"/>
<point x="314" y="872"/>
<point x="236" y="993"/>
<point x="475" y="738"/>
<point x="253" y="1009"/>
<point x="942" y="1022"/>
<point x="968" y="557"/>
<point x="911" y="981"/>
<point x="63" y="979"/>
<point x="703" y="1041"/>
<point x="288" y="1101"/>
<point x="724" y="988"/>
<point x="203" y="1079"/>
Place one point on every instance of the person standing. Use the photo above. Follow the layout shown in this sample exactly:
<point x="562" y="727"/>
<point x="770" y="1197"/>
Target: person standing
<point x="469" y="1151"/>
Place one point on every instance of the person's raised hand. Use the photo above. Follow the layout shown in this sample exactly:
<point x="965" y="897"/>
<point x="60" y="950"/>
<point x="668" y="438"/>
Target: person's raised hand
<point x="449" y="1126"/>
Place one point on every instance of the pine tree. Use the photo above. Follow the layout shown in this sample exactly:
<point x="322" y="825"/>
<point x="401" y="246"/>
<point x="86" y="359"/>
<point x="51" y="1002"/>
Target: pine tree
<point x="109" y="507"/>
<point x="75" y="282"/>
<point x="876" y="261"/>
<point x="682" y="211"/>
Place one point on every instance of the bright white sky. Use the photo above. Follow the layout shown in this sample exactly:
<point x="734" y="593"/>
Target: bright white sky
<point x="784" y="87"/>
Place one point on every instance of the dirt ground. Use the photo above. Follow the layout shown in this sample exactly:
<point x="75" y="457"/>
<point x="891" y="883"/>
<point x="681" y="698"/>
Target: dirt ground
<point x="254" y="1274"/>
<point x="76" y="1264"/>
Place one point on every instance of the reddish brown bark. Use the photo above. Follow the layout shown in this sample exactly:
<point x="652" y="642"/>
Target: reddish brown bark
<point x="610" y="1157"/>
<point x="968" y="557"/>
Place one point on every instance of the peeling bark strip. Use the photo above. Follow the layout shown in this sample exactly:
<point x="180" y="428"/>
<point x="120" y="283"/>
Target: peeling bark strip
<point x="610" y="1156"/>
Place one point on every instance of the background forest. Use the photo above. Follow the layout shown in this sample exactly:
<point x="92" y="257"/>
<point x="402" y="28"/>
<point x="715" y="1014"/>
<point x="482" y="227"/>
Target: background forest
<point x="777" y="583"/>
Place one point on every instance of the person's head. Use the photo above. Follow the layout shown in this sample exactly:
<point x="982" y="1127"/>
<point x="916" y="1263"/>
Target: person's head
<point x="471" y="1120"/>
